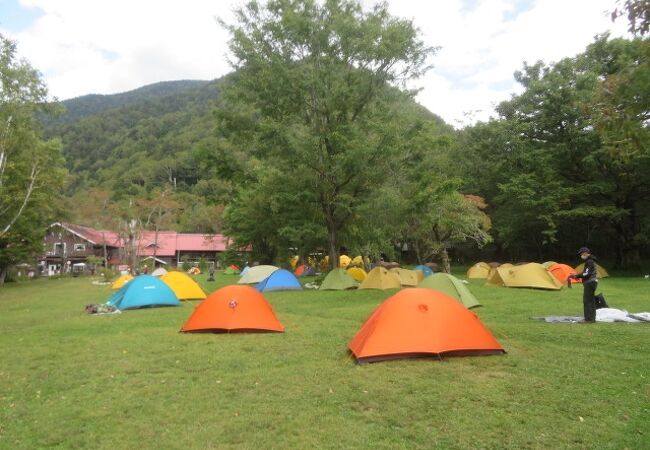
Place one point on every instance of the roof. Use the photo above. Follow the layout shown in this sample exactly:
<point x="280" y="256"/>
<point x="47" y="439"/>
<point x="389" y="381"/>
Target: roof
<point x="97" y="237"/>
<point x="167" y="243"/>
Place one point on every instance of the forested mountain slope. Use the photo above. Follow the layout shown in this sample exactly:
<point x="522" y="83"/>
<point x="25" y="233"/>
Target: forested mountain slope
<point x="138" y="137"/>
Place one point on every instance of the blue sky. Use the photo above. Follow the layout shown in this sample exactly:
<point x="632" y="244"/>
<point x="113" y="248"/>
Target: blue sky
<point x="14" y="17"/>
<point x="102" y="46"/>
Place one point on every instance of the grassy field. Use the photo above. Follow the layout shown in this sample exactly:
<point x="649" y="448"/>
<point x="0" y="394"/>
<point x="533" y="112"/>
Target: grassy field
<point x="70" y="380"/>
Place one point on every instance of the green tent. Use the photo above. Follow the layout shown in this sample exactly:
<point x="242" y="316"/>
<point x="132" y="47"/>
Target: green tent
<point x="452" y="286"/>
<point x="338" y="280"/>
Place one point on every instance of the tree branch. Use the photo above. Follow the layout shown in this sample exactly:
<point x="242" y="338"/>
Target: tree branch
<point x="28" y="194"/>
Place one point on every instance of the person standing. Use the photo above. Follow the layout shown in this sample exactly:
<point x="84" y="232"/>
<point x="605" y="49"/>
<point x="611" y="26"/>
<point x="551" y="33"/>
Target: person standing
<point x="589" y="277"/>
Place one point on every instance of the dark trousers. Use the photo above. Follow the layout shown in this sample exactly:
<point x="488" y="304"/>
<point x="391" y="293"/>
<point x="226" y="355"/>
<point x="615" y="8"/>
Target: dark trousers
<point x="588" y="300"/>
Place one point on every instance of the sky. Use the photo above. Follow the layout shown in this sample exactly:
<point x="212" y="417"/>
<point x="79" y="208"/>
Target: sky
<point x="110" y="46"/>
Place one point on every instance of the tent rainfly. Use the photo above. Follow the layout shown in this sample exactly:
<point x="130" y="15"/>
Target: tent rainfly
<point x="338" y="280"/>
<point x="452" y="286"/>
<point x="183" y="286"/>
<point x="531" y="275"/>
<point x="256" y="274"/>
<point x="357" y="273"/>
<point x="280" y="280"/>
<point x="478" y="270"/>
<point x="142" y="292"/>
<point x="407" y="278"/>
<point x="380" y="278"/>
<point x="121" y="281"/>
<point x="420" y="322"/>
<point x="233" y="308"/>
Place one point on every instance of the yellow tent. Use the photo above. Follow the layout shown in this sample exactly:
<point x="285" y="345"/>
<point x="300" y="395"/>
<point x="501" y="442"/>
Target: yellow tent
<point x="600" y="270"/>
<point x="478" y="270"/>
<point x="121" y="281"/>
<point x="357" y="261"/>
<point x="420" y="275"/>
<point x="406" y="277"/>
<point x="294" y="261"/>
<point x="380" y="278"/>
<point x="183" y="286"/>
<point x="358" y="273"/>
<point x="531" y="275"/>
<point x="344" y="261"/>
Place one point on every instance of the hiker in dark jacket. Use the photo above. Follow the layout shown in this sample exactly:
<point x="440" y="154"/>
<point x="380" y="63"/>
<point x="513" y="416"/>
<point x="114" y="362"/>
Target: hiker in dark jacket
<point x="589" y="277"/>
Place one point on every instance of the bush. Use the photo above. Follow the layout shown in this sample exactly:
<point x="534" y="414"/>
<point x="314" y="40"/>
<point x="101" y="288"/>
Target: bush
<point x="185" y="263"/>
<point x="203" y="265"/>
<point x="108" y="274"/>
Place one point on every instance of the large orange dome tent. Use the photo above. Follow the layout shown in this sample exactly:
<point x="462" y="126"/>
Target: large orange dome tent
<point x="421" y="322"/>
<point x="233" y="308"/>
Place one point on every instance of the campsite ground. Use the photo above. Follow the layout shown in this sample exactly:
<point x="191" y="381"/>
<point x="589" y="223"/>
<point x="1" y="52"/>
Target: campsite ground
<point x="71" y="380"/>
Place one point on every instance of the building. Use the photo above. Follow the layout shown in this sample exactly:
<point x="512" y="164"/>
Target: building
<point x="66" y="245"/>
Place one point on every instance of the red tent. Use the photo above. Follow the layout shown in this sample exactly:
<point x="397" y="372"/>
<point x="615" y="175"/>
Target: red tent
<point x="562" y="272"/>
<point x="233" y="308"/>
<point x="421" y="322"/>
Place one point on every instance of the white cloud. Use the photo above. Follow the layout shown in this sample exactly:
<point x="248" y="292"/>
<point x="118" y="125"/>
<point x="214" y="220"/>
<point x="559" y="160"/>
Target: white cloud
<point x="118" y="45"/>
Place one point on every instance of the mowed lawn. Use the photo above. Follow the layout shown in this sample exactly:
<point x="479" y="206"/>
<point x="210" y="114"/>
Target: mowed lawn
<point x="71" y="380"/>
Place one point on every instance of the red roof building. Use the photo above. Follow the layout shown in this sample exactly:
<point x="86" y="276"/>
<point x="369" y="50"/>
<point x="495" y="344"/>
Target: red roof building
<point x="67" y="244"/>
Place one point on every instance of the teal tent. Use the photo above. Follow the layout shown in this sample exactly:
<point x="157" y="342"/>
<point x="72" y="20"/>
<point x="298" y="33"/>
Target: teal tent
<point x="452" y="286"/>
<point x="142" y="292"/>
<point x="426" y="270"/>
<point x="338" y="280"/>
<point x="280" y="280"/>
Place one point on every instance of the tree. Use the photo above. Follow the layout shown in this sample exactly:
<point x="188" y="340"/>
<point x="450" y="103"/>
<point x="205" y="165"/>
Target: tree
<point x="567" y="161"/>
<point x="313" y="85"/>
<point x="31" y="172"/>
<point x="638" y="15"/>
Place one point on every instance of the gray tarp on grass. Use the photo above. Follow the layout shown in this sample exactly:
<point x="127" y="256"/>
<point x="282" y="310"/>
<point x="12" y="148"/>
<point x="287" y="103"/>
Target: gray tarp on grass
<point x="603" y="315"/>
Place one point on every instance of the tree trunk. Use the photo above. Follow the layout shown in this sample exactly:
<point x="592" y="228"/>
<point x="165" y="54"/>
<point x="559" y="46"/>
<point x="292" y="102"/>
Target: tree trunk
<point x="444" y="259"/>
<point x="3" y="275"/>
<point x="105" y="251"/>
<point x="418" y="256"/>
<point x="332" y="233"/>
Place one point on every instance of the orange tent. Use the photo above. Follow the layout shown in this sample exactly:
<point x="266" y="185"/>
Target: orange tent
<point x="421" y="322"/>
<point x="562" y="272"/>
<point x="233" y="308"/>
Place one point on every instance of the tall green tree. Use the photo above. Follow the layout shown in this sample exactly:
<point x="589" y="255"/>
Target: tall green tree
<point x="566" y="162"/>
<point x="31" y="170"/>
<point x="313" y="84"/>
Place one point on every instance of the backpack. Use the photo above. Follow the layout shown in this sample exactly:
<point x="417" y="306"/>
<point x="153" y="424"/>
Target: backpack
<point x="599" y="301"/>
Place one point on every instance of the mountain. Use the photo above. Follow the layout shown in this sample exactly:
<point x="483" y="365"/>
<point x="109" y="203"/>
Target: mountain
<point x="91" y="104"/>
<point x="139" y="137"/>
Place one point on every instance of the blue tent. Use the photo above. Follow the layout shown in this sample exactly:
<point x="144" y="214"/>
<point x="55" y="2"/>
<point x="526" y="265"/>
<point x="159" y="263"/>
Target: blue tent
<point x="280" y="280"/>
<point x="143" y="291"/>
<point x="426" y="270"/>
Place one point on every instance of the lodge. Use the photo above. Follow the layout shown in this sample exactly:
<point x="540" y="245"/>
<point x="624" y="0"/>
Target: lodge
<point x="67" y="244"/>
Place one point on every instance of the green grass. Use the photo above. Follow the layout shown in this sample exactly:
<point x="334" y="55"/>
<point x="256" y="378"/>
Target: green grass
<point x="70" y="380"/>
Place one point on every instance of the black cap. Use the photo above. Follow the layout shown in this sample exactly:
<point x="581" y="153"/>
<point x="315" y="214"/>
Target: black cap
<point x="584" y="250"/>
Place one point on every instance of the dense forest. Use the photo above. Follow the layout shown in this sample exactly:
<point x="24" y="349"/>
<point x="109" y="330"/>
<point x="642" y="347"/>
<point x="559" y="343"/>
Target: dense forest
<point x="329" y="152"/>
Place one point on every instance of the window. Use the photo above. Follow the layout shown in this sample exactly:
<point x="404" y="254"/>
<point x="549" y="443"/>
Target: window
<point x="59" y="248"/>
<point x="80" y="247"/>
